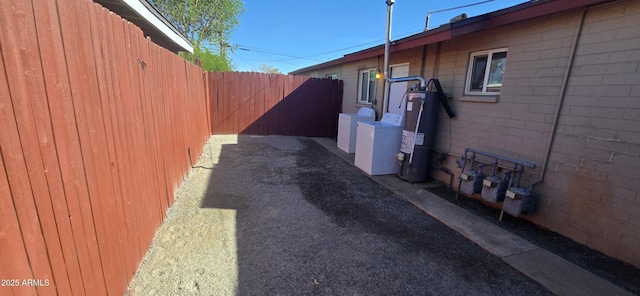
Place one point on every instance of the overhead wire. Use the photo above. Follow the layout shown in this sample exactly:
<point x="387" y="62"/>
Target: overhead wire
<point x="309" y="57"/>
<point x="265" y="60"/>
<point x="245" y="48"/>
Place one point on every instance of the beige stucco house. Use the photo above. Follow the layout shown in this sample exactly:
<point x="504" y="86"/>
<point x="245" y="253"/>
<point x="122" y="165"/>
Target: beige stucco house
<point x="563" y="93"/>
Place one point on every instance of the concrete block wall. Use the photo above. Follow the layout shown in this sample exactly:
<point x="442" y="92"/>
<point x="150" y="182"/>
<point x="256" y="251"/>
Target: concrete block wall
<point x="592" y="184"/>
<point x="593" y="192"/>
<point x="517" y="123"/>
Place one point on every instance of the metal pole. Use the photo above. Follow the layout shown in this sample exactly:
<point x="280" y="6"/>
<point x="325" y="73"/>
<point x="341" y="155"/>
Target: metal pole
<point x="385" y="99"/>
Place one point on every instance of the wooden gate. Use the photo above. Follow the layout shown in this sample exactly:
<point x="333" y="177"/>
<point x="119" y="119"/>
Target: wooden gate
<point x="273" y="104"/>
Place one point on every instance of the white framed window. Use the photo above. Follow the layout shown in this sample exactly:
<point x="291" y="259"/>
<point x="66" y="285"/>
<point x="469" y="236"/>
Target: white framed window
<point x="332" y="76"/>
<point x="366" y="85"/>
<point x="485" y="73"/>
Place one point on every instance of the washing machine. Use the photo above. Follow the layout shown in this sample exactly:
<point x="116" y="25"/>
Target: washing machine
<point x="378" y="143"/>
<point x="347" y="127"/>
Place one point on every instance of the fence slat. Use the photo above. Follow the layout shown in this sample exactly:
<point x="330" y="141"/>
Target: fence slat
<point x="237" y="97"/>
<point x="121" y="91"/>
<point x="14" y="261"/>
<point x="229" y="102"/>
<point x="87" y="90"/>
<point x="116" y="279"/>
<point x="68" y="150"/>
<point x="14" y="264"/>
<point x="26" y="138"/>
<point x="101" y="32"/>
<point x="148" y="67"/>
<point x="261" y="84"/>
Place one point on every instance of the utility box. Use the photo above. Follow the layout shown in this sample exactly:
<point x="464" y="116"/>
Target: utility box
<point x="471" y="182"/>
<point x="495" y="187"/>
<point x="518" y="201"/>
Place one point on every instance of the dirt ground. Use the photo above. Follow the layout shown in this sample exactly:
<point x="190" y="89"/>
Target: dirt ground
<point x="283" y="216"/>
<point x="194" y="249"/>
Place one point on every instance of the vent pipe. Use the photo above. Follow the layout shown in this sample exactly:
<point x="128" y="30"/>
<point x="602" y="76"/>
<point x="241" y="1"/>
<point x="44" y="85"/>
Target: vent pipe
<point x="458" y="18"/>
<point x="426" y="25"/>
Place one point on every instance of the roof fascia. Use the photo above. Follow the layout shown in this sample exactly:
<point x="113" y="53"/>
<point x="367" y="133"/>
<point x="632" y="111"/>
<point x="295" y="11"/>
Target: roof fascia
<point x="158" y="21"/>
<point x="494" y="19"/>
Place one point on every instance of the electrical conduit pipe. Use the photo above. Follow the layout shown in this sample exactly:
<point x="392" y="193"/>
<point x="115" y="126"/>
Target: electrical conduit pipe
<point x="563" y="90"/>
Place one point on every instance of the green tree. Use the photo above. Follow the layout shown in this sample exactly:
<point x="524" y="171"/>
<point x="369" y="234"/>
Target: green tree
<point x="264" y="68"/>
<point x="207" y="23"/>
<point x="210" y="61"/>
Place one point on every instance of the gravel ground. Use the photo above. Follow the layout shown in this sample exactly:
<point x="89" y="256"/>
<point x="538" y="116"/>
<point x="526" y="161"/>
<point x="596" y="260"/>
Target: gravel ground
<point x="283" y="216"/>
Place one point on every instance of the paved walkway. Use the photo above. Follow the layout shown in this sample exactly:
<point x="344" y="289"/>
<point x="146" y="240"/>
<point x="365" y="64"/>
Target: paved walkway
<point x="553" y="272"/>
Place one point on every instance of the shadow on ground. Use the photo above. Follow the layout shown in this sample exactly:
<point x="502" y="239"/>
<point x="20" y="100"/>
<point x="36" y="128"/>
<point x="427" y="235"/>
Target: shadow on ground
<point x="306" y="222"/>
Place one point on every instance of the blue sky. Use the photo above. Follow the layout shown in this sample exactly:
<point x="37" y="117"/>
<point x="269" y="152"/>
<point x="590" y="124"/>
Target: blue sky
<point x="293" y="34"/>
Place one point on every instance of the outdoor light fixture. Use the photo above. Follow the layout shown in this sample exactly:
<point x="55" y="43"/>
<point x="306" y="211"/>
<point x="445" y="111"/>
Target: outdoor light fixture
<point x="378" y="74"/>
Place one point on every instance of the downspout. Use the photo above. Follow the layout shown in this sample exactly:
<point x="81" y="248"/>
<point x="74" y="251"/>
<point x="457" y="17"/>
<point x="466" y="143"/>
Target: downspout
<point x="563" y="90"/>
<point x="385" y="99"/>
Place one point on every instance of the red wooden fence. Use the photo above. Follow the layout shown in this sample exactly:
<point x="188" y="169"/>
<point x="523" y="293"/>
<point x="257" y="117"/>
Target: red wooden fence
<point x="95" y="125"/>
<point x="268" y="104"/>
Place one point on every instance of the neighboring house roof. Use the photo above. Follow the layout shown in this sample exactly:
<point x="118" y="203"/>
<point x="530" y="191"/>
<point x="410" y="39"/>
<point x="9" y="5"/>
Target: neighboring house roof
<point x="521" y="12"/>
<point x="152" y="23"/>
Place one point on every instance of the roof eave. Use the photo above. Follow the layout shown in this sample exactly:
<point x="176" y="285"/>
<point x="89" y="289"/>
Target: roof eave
<point x="494" y="19"/>
<point x="152" y="23"/>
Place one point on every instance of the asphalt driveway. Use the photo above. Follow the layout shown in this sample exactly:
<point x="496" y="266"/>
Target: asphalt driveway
<point x="284" y="216"/>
